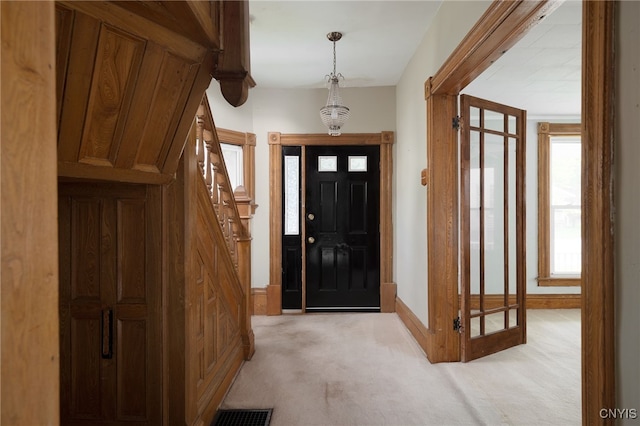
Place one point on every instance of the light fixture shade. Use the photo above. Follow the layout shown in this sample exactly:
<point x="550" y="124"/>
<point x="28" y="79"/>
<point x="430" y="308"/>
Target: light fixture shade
<point x="334" y="114"/>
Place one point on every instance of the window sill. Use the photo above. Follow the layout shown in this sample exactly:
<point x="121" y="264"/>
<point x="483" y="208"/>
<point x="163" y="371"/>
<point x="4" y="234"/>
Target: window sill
<point x="559" y="281"/>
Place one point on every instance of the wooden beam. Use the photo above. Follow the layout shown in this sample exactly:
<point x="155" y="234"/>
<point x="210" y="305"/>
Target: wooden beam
<point x="343" y="139"/>
<point x="29" y="289"/>
<point x="234" y="68"/>
<point x="499" y="28"/>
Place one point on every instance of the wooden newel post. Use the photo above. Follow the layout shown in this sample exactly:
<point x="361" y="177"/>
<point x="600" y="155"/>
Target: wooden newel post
<point x="245" y="209"/>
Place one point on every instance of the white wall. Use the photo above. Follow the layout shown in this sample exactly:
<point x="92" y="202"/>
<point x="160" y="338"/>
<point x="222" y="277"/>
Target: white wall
<point x="298" y="111"/>
<point x="453" y="22"/>
<point x="627" y="202"/>
<point x="226" y="116"/>
<point x="294" y="111"/>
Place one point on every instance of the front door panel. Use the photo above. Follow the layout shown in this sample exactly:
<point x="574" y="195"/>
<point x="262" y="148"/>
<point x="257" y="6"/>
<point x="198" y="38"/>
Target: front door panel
<point x="342" y="228"/>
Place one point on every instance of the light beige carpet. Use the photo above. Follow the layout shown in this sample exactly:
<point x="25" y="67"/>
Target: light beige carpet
<point x="366" y="369"/>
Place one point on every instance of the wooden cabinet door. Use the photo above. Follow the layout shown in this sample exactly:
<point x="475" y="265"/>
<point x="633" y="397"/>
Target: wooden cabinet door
<point x="110" y="310"/>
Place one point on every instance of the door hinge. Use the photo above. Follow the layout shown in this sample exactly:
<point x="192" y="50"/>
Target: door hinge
<point x="457" y="325"/>
<point x="455" y="122"/>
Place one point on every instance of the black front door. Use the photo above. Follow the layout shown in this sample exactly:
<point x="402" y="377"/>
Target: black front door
<point x="342" y="228"/>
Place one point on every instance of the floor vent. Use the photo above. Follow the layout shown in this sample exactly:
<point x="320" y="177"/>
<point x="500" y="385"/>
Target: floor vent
<point x="242" y="417"/>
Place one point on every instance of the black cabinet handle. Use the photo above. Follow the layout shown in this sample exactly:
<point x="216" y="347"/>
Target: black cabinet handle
<point x="107" y="331"/>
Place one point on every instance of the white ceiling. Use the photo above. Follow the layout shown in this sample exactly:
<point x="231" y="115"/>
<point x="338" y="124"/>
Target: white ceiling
<point x="289" y="49"/>
<point x="542" y="72"/>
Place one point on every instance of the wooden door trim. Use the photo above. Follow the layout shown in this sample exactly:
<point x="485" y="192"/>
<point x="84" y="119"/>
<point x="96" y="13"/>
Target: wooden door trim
<point x="598" y="308"/>
<point x="276" y="140"/>
<point x="502" y="25"/>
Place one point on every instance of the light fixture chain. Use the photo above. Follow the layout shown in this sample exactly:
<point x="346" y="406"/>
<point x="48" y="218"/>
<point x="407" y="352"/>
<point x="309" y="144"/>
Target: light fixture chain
<point x="334" y="58"/>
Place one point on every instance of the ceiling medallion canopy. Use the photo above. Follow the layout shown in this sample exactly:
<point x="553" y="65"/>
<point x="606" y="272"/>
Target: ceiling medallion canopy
<point x="334" y="114"/>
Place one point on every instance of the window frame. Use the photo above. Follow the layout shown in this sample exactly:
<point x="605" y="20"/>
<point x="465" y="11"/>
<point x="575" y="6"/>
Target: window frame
<point x="248" y="143"/>
<point x="546" y="131"/>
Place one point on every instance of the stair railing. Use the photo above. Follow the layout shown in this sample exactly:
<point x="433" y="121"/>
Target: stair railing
<point x="214" y="171"/>
<point x="235" y="227"/>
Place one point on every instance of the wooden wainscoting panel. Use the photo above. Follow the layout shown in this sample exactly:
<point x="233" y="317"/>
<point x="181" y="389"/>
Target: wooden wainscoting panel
<point x="117" y="63"/>
<point x="204" y="334"/>
<point x="139" y="116"/>
<point x="173" y="83"/>
<point x="129" y="90"/>
<point x="64" y="26"/>
<point x="74" y="96"/>
<point x="215" y="290"/>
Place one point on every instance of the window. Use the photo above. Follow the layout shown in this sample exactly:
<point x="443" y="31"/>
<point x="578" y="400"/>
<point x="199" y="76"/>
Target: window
<point x="357" y="163"/>
<point x="327" y="163"/>
<point x="235" y="166"/>
<point x="291" y="195"/>
<point x="238" y="150"/>
<point x="559" y="204"/>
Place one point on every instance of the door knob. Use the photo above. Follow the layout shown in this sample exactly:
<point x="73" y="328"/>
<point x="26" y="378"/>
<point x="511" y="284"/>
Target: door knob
<point x="311" y="216"/>
<point x="311" y="240"/>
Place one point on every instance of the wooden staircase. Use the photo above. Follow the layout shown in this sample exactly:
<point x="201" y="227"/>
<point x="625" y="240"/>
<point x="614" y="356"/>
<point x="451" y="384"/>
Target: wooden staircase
<point x="130" y="78"/>
<point x="132" y="120"/>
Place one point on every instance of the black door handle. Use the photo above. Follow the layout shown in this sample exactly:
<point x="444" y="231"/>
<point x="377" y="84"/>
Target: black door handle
<point x="107" y="334"/>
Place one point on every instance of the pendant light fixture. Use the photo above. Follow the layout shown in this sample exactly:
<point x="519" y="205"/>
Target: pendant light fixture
<point x="334" y="114"/>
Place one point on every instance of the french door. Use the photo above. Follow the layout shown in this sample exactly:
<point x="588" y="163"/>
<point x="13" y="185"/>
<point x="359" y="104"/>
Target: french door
<point x="493" y="276"/>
